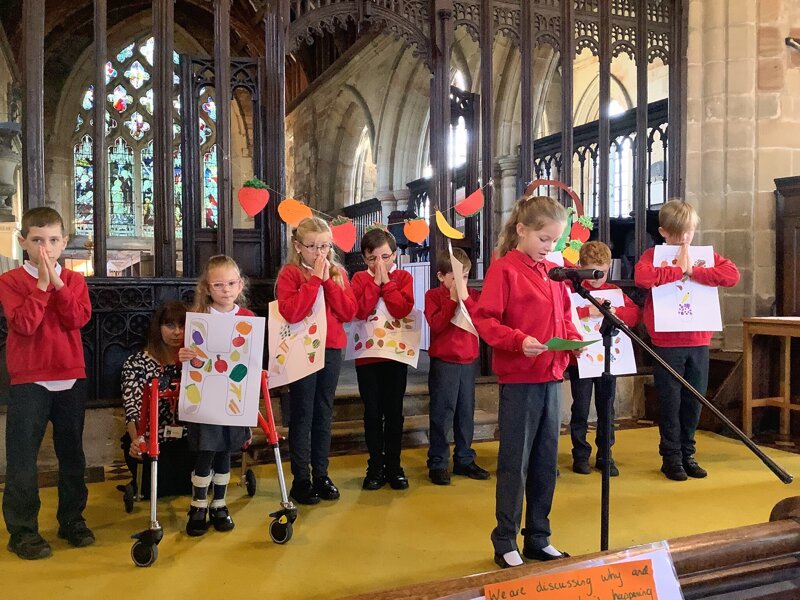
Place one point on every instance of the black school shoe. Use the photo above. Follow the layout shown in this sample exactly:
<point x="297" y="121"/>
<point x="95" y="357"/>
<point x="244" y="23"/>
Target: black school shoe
<point x="197" y="523"/>
<point x="471" y="470"/>
<point x="674" y="471"/>
<point x="398" y="480"/>
<point x="613" y="470"/>
<point x="221" y="519"/>
<point x="581" y="466"/>
<point x="374" y="480"/>
<point x="439" y="476"/>
<point x="303" y="492"/>
<point x="539" y="554"/>
<point x="29" y="546"/>
<point x="501" y="562"/>
<point x="325" y="489"/>
<point x="77" y="534"/>
<point x="693" y="469"/>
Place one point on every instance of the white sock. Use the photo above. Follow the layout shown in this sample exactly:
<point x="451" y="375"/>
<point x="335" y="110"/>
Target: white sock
<point x="549" y="549"/>
<point x="513" y="558"/>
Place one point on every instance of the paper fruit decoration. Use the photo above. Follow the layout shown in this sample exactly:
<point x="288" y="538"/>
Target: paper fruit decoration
<point x="470" y="205"/>
<point x="253" y="196"/>
<point x="416" y="230"/>
<point x="447" y="229"/>
<point x="293" y="211"/>
<point x="344" y="233"/>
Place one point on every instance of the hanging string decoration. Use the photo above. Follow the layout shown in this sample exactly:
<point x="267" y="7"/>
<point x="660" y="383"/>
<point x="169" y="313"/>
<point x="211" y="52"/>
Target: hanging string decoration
<point x="344" y="233"/>
<point x="416" y="230"/>
<point x="578" y="226"/>
<point x="253" y="196"/>
<point x="471" y="205"/>
<point x="293" y="211"/>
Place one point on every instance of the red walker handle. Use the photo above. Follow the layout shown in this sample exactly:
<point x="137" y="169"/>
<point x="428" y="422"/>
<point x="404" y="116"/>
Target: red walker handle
<point x="267" y="424"/>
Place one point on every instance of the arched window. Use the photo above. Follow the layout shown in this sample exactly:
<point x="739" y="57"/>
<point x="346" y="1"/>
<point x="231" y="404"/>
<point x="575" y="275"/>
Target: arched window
<point x="363" y="156"/>
<point x="129" y="118"/>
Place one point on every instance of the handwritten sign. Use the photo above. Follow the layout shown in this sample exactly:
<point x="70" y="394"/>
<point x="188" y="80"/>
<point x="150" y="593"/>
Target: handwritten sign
<point x="629" y="580"/>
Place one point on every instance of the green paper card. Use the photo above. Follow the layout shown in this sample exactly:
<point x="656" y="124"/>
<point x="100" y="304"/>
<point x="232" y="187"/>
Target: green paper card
<point x="558" y="343"/>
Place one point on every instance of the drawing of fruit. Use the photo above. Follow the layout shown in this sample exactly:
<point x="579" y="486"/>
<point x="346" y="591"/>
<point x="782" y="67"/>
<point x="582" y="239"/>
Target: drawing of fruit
<point x="280" y="359"/>
<point x="358" y="346"/>
<point x="313" y="329"/>
<point x="235" y="355"/>
<point x="402" y="346"/>
<point x="195" y="376"/>
<point x="380" y="343"/>
<point x="380" y="332"/>
<point x="369" y="344"/>
<point x="238" y="341"/>
<point x="197" y="363"/>
<point x="207" y="368"/>
<point x="391" y="343"/>
<point x="355" y="337"/>
<point x="193" y="394"/>
<point x="220" y="365"/>
<point x="238" y="373"/>
<point x="200" y="353"/>
<point x="244" y="327"/>
<point x="411" y="352"/>
<point x="600" y="358"/>
<point x="311" y="357"/>
<point x="197" y="337"/>
<point x="315" y="344"/>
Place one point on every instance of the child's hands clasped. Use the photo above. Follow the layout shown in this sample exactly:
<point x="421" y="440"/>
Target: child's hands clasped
<point x="381" y="272"/>
<point x="47" y="272"/>
<point x="684" y="262"/>
<point x="532" y="347"/>
<point x="321" y="267"/>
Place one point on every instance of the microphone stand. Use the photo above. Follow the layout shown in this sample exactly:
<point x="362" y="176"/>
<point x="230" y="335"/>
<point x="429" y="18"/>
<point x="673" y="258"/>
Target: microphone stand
<point x="609" y="328"/>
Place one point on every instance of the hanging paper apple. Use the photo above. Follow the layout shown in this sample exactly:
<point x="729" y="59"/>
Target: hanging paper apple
<point x="293" y="211"/>
<point x="253" y="196"/>
<point x="416" y="230"/>
<point x="470" y="205"/>
<point x="344" y="233"/>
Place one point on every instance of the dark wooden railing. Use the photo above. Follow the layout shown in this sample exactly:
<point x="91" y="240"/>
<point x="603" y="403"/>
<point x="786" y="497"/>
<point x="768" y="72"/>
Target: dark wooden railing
<point x="363" y="215"/>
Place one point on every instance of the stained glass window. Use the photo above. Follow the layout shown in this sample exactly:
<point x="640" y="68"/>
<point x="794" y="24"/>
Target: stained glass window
<point x="137" y="126"/>
<point x="120" y="99"/>
<point x="88" y="99"/>
<point x="125" y="53"/>
<point x="78" y="122"/>
<point x="205" y="132"/>
<point x="137" y="75"/>
<point x="148" y="218"/>
<point x="82" y="185"/>
<point x="210" y="108"/>
<point x="122" y="216"/>
<point x="210" y="188"/>
<point x="111" y="72"/>
<point x="147" y="101"/>
<point x="178" y="183"/>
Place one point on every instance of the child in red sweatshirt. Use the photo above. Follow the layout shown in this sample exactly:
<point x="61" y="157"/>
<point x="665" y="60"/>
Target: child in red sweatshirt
<point x="312" y="267"/>
<point x="45" y="306"/>
<point x="520" y="309"/>
<point x="382" y="382"/>
<point x="685" y="351"/>
<point x="451" y="379"/>
<point x="595" y="255"/>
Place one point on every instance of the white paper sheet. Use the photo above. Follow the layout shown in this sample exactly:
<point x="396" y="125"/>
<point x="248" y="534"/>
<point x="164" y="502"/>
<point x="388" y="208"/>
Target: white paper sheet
<point x="592" y="359"/>
<point x="383" y="336"/>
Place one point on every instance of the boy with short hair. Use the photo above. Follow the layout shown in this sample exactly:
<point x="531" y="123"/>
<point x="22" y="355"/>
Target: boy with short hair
<point x="451" y="379"/>
<point x="45" y="307"/>
<point x="685" y="351"/>
<point x="595" y="255"/>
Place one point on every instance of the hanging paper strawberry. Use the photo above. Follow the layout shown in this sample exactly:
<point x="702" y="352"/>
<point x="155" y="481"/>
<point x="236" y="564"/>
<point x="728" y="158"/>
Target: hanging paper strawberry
<point x="470" y="205"/>
<point x="581" y="228"/>
<point x="344" y="233"/>
<point x="416" y="230"/>
<point x="253" y="196"/>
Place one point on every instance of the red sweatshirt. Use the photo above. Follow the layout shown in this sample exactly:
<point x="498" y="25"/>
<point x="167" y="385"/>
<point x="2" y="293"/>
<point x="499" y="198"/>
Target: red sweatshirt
<point x="646" y="275"/>
<point x="297" y="289"/>
<point x="449" y="342"/>
<point x="519" y="300"/>
<point x="44" y="328"/>
<point x="629" y="314"/>
<point x="397" y="294"/>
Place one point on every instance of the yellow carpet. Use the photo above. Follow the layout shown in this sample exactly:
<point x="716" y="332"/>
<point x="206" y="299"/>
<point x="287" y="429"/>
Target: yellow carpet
<point x="376" y="540"/>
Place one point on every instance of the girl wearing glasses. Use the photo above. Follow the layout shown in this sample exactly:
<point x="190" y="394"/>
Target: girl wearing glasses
<point x="382" y="382"/>
<point x="220" y="290"/>
<point x="312" y="266"/>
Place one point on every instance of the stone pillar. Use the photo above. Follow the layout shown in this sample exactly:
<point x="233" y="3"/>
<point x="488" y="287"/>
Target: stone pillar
<point x="388" y="204"/>
<point x="506" y="192"/>
<point x="402" y="197"/>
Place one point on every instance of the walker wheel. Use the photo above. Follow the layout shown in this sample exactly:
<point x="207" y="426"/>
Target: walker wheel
<point x="144" y="555"/>
<point x="280" y="532"/>
<point x="250" y="482"/>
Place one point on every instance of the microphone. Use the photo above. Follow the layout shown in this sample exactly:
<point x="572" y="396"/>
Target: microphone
<point x="566" y="274"/>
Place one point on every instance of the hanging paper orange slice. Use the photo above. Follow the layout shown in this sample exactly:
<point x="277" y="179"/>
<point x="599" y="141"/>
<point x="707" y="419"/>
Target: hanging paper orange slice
<point x="470" y="205"/>
<point x="416" y="230"/>
<point x="447" y="229"/>
<point x="293" y="211"/>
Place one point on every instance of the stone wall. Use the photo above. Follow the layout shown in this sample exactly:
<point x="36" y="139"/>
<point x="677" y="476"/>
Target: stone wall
<point x="743" y="123"/>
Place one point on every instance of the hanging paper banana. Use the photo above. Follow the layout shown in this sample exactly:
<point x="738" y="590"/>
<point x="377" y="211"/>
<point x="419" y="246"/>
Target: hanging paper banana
<point x="447" y="229"/>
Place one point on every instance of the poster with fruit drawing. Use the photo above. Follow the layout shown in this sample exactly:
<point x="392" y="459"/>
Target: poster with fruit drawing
<point x="686" y="305"/>
<point x="592" y="359"/>
<point x="221" y="385"/>
<point x="383" y="336"/>
<point x="296" y="349"/>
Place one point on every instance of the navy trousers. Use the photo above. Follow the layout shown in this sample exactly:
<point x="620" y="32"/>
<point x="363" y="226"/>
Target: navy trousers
<point x="452" y="392"/>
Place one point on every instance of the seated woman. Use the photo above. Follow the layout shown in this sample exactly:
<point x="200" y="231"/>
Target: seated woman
<point x="158" y="359"/>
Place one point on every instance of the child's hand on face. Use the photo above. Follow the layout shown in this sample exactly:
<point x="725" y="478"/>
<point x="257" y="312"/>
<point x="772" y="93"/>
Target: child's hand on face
<point x="186" y="354"/>
<point x="532" y="347"/>
<point x="319" y="266"/>
<point x="54" y="278"/>
<point x="44" y="272"/>
<point x="327" y="273"/>
<point x="453" y="292"/>
<point x="683" y="259"/>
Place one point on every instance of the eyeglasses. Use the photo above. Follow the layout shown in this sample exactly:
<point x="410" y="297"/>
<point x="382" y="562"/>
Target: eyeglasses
<point x="383" y="257"/>
<point x="321" y="247"/>
<point x="218" y="286"/>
